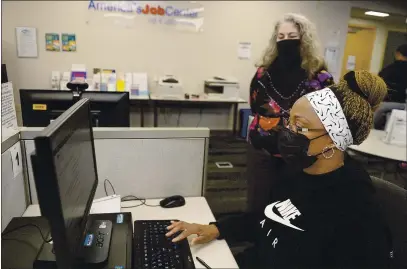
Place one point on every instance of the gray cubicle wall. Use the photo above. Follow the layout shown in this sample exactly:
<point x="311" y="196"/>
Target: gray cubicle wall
<point x="14" y="200"/>
<point x="145" y="162"/>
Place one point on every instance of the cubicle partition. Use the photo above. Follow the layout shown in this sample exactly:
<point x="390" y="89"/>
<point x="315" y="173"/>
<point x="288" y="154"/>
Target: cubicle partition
<point x="14" y="191"/>
<point x="144" y="162"/>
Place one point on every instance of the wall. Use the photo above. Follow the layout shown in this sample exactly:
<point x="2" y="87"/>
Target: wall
<point x="380" y="41"/>
<point x="159" y="50"/>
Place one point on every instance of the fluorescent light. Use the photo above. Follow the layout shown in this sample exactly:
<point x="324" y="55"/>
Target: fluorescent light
<point x="377" y="14"/>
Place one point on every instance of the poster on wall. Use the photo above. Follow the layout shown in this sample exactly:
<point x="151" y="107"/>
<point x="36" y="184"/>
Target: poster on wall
<point x="52" y="42"/>
<point x="68" y="42"/>
<point x="177" y="15"/>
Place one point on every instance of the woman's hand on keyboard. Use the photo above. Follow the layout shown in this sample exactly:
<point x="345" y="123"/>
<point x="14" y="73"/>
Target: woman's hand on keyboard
<point x="206" y="233"/>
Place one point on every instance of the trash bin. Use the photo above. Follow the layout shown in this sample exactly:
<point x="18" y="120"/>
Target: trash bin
<point x="244" y="121"/>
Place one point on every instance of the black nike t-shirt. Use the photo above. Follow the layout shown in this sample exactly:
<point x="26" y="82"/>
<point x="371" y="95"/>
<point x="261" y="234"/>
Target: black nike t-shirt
<point x="316" y="221"/>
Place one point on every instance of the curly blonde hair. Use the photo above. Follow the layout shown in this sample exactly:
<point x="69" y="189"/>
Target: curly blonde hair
<point x="312" y="61"/>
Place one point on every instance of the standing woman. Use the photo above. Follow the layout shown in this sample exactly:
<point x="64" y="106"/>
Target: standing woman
<point x="290" y="68"/>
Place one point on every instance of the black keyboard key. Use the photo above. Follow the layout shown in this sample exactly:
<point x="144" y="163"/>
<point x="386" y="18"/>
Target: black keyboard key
<point x="152" y="249"/>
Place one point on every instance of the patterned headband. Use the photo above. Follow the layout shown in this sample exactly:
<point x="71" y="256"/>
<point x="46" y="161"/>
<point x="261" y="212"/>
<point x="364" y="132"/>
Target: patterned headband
<point x="330" y="112"/>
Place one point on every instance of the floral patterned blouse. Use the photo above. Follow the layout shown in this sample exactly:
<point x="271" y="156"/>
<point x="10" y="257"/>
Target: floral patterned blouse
<point x="270" y="112"/>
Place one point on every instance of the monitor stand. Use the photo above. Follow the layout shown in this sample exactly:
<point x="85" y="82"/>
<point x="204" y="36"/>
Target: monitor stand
<point x="94" y="248"/>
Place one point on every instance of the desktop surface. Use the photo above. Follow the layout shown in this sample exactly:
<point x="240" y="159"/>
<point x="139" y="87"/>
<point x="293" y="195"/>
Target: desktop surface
<point x="216" y="254"/>
<point x="374" y="145"/>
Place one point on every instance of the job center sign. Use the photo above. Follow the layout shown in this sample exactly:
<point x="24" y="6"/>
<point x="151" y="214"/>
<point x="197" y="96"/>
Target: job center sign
<point x="157" y="12"/>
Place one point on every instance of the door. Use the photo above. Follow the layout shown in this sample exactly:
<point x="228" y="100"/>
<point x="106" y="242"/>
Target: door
<point x="358" y="49"/>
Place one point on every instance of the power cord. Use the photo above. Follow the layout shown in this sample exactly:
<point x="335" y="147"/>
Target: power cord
<point x="111" y="185"/>
<point x="23" y="226"/>
<point x="128" y="197"/>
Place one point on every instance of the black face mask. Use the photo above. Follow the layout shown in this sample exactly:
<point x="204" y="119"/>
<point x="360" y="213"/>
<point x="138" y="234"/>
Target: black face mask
<point x="289" y="52"/>
<point x="293" y="148"/>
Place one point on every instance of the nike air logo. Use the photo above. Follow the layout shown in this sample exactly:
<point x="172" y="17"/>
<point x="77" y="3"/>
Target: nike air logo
<point x="287" y="210"/>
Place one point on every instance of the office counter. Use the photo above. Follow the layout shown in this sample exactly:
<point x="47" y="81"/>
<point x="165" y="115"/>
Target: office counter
<point x="140" y="102"/>
<point x="158" y="101"/>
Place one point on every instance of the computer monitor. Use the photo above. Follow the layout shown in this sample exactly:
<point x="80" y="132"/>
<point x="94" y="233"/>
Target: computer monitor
<point x="66" y="179"/>
<point x="109" y="109"/>
<point x="40" y="107"/>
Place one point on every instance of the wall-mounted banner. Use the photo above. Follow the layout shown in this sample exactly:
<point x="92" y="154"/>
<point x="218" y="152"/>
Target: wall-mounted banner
<point x="179" y="15"/>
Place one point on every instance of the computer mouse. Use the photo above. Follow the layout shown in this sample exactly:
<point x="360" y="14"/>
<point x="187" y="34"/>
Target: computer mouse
<point x="172" y="201"/>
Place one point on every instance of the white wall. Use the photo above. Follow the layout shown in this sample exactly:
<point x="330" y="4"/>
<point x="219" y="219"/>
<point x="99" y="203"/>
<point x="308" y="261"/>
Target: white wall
<point x="380" y="40"/>
<point x="158" y="50"/>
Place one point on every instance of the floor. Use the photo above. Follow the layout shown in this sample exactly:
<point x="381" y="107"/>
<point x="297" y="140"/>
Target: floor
<point x="226" y="187"/>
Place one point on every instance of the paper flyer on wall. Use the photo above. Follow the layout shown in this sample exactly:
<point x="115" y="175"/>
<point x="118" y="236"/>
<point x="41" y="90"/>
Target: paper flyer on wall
<point x="27" y="42"/>
<point x="9" y="125"/>
<point x="68" y="42"/>
<point x="52" y="42"/>
<point x="244" y="50"/>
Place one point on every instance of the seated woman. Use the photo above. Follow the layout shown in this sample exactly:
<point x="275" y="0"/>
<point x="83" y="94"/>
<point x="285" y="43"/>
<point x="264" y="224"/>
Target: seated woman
<point x="324" y="216"/>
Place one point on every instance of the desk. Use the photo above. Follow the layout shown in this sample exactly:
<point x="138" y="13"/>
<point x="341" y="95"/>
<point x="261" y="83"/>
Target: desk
<point x="373" y="145"/>
<point x="140" y="102"/>
<point x="158" y="101"/>
<point x="216" y="254"/>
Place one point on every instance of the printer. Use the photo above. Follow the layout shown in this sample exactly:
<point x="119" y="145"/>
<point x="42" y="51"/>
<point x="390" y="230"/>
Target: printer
<point x="169" y="86"/>
<point x="221" y="88"/>
<point x="396" y="128"/>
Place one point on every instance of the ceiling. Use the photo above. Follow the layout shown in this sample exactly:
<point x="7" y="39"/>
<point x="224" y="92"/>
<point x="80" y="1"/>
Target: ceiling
<point x="393" y="19"/>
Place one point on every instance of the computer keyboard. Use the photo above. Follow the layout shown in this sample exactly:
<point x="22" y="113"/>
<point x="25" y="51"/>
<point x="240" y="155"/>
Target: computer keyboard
<point x="153" y="250"/>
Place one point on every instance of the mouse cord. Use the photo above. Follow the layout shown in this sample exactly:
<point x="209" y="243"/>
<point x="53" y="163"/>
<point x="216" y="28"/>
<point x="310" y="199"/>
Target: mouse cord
<point x="128" y="197"/>
<point x="23" y="226"/>
<point x="135" y="198"/>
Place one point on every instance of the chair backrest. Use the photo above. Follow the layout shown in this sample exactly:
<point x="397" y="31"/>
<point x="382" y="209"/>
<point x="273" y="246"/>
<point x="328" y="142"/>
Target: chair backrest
<point x="393" y="205"/>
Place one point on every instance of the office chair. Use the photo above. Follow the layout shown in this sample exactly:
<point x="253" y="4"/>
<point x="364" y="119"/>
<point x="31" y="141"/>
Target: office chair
<point x="392" y="202"/>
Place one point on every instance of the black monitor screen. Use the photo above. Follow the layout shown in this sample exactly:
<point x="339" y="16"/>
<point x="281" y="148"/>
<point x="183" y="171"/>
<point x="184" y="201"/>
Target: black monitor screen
<point x="74" y="168"/>
<point x="108" y="109"/>
<point x="66" y="177"/>
<point x="4" y="77"/>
